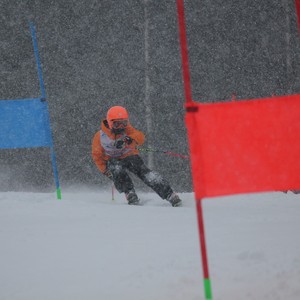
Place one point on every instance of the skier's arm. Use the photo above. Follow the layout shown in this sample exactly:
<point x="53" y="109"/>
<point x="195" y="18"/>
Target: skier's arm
<point x="98" y="154"/>
<point x="137" y="136"/>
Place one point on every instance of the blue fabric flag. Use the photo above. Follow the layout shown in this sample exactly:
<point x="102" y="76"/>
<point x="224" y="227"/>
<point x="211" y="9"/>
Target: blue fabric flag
<point x="24" y="123"/>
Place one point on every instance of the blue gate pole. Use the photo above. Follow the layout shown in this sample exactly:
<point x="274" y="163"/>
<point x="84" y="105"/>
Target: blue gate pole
<point x="43" y="98"/>
<point x="37" y="59"/>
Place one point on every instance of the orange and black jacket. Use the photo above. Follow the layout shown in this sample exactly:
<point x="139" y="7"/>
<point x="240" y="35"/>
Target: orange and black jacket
<point x="103" y="147"/>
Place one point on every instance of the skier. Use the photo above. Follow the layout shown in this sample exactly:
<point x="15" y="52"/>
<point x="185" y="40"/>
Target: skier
<point x="114" y="151"/>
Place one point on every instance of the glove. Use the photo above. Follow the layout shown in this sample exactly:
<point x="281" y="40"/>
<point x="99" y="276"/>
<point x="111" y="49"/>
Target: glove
<point x="128" y="140"/>
<point x="108" y="174"/>
<point x="119" y="144"/>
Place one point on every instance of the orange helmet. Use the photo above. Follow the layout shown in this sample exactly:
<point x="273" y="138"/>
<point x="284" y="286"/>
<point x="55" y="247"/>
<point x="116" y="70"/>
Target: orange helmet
<point x="116" y="113"/>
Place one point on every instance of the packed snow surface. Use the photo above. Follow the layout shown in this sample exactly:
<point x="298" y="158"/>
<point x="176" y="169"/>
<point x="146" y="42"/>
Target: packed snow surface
<point x="88" y="246"/>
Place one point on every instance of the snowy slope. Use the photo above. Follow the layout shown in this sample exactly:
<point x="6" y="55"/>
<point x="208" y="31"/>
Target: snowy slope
<point x="87" y="246"/>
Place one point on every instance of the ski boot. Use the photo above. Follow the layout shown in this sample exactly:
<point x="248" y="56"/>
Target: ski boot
<point x="174" y="200"/>
<point x="132" y="198"/>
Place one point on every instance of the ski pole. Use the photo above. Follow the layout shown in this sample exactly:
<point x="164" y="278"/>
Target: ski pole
<point x="143" y="149"/>
<point x="112" y="192"/>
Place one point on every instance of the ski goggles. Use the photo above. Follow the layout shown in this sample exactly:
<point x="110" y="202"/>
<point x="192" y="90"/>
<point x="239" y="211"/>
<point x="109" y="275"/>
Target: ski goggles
<point x="119" y="123"/>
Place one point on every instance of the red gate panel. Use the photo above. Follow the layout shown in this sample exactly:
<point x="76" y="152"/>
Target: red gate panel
<point x="245" y="146"/>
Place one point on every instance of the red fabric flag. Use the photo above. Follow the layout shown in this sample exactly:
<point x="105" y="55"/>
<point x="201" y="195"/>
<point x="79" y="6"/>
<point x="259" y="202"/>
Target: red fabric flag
<point x="245" y="146"/>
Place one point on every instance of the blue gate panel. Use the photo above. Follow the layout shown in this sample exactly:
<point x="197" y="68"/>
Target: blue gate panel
<point x="24" y="123"/>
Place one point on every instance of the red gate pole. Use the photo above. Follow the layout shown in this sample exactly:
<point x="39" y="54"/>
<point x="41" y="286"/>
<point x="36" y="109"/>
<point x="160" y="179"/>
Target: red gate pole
<point x="188" y="99"/>
<point x="206" y="280"/>
<point x="184" y="52"/>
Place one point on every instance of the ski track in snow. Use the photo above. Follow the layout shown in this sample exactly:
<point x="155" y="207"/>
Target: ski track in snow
<point x="87" y="246"/>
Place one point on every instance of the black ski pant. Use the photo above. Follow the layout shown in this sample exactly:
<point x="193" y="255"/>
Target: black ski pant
<point x="135" y="165"/>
